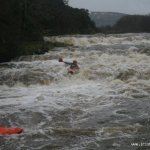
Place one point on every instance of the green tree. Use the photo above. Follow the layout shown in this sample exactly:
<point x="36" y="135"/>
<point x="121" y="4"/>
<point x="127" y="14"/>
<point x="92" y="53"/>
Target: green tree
<point x="23" y="21"/>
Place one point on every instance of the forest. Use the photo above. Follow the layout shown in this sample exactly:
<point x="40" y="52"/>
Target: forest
<point x="23" y="23"/>
<point x="129" y="24"/>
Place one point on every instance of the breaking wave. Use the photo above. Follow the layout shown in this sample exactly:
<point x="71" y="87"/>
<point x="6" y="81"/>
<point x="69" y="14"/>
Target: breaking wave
<point x="104" y="106"/>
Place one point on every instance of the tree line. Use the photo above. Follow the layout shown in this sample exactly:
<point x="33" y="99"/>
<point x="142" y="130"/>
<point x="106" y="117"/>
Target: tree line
<point x="129" y="24"/>
<point x="23" y="23"/>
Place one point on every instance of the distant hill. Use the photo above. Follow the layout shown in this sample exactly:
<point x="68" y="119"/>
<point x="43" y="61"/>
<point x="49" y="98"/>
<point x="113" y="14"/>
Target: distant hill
<point x="105" y="18"/>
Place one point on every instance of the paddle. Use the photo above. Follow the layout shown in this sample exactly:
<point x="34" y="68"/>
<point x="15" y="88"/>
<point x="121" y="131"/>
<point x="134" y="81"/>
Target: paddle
<point x="60" y="60"/>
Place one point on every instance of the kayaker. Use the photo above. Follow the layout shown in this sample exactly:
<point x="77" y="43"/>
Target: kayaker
<point x="73" y="66"/>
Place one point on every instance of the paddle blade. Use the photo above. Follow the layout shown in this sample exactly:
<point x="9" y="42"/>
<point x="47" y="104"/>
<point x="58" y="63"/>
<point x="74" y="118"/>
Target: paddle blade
<point x="60" y="60"/>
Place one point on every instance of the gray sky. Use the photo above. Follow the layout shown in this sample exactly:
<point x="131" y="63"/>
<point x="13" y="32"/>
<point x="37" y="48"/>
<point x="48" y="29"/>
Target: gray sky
<point x="123" y="6"/>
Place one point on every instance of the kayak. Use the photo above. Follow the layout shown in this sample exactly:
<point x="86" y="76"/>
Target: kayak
<point x="73" y="71"/>
<point x="9" y="131"/>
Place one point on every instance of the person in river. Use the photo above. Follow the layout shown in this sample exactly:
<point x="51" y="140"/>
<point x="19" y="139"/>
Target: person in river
<point x="74" y="68"/>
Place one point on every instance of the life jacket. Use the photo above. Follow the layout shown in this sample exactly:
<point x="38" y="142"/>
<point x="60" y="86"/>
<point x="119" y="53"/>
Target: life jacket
<point x="74" y="66"/>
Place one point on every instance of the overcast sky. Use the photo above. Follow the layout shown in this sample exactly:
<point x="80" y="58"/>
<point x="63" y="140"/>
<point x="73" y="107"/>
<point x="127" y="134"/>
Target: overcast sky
<point x="123" y="6"/>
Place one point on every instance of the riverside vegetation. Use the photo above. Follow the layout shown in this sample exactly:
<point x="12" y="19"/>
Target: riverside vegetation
<point x="23" y="23"/>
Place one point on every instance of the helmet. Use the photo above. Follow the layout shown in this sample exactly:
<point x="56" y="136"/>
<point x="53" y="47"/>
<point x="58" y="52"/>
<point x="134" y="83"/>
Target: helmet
<point x="74" y="61"/>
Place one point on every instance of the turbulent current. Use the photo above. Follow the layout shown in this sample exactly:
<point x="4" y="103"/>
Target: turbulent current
<point x="106" y="106"/>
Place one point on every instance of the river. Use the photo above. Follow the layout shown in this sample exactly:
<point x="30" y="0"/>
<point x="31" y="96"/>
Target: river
<point x="106" y="106"/>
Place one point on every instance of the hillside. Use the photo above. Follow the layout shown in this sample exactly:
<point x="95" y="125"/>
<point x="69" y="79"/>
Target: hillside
<point x="105" y="18"/>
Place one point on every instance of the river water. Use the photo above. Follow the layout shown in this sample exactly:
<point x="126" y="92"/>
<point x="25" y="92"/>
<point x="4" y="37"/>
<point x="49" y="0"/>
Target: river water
<point x="106" y="106"/>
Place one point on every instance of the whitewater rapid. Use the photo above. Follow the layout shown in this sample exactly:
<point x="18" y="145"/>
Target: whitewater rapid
<point x="106" y="106"/>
